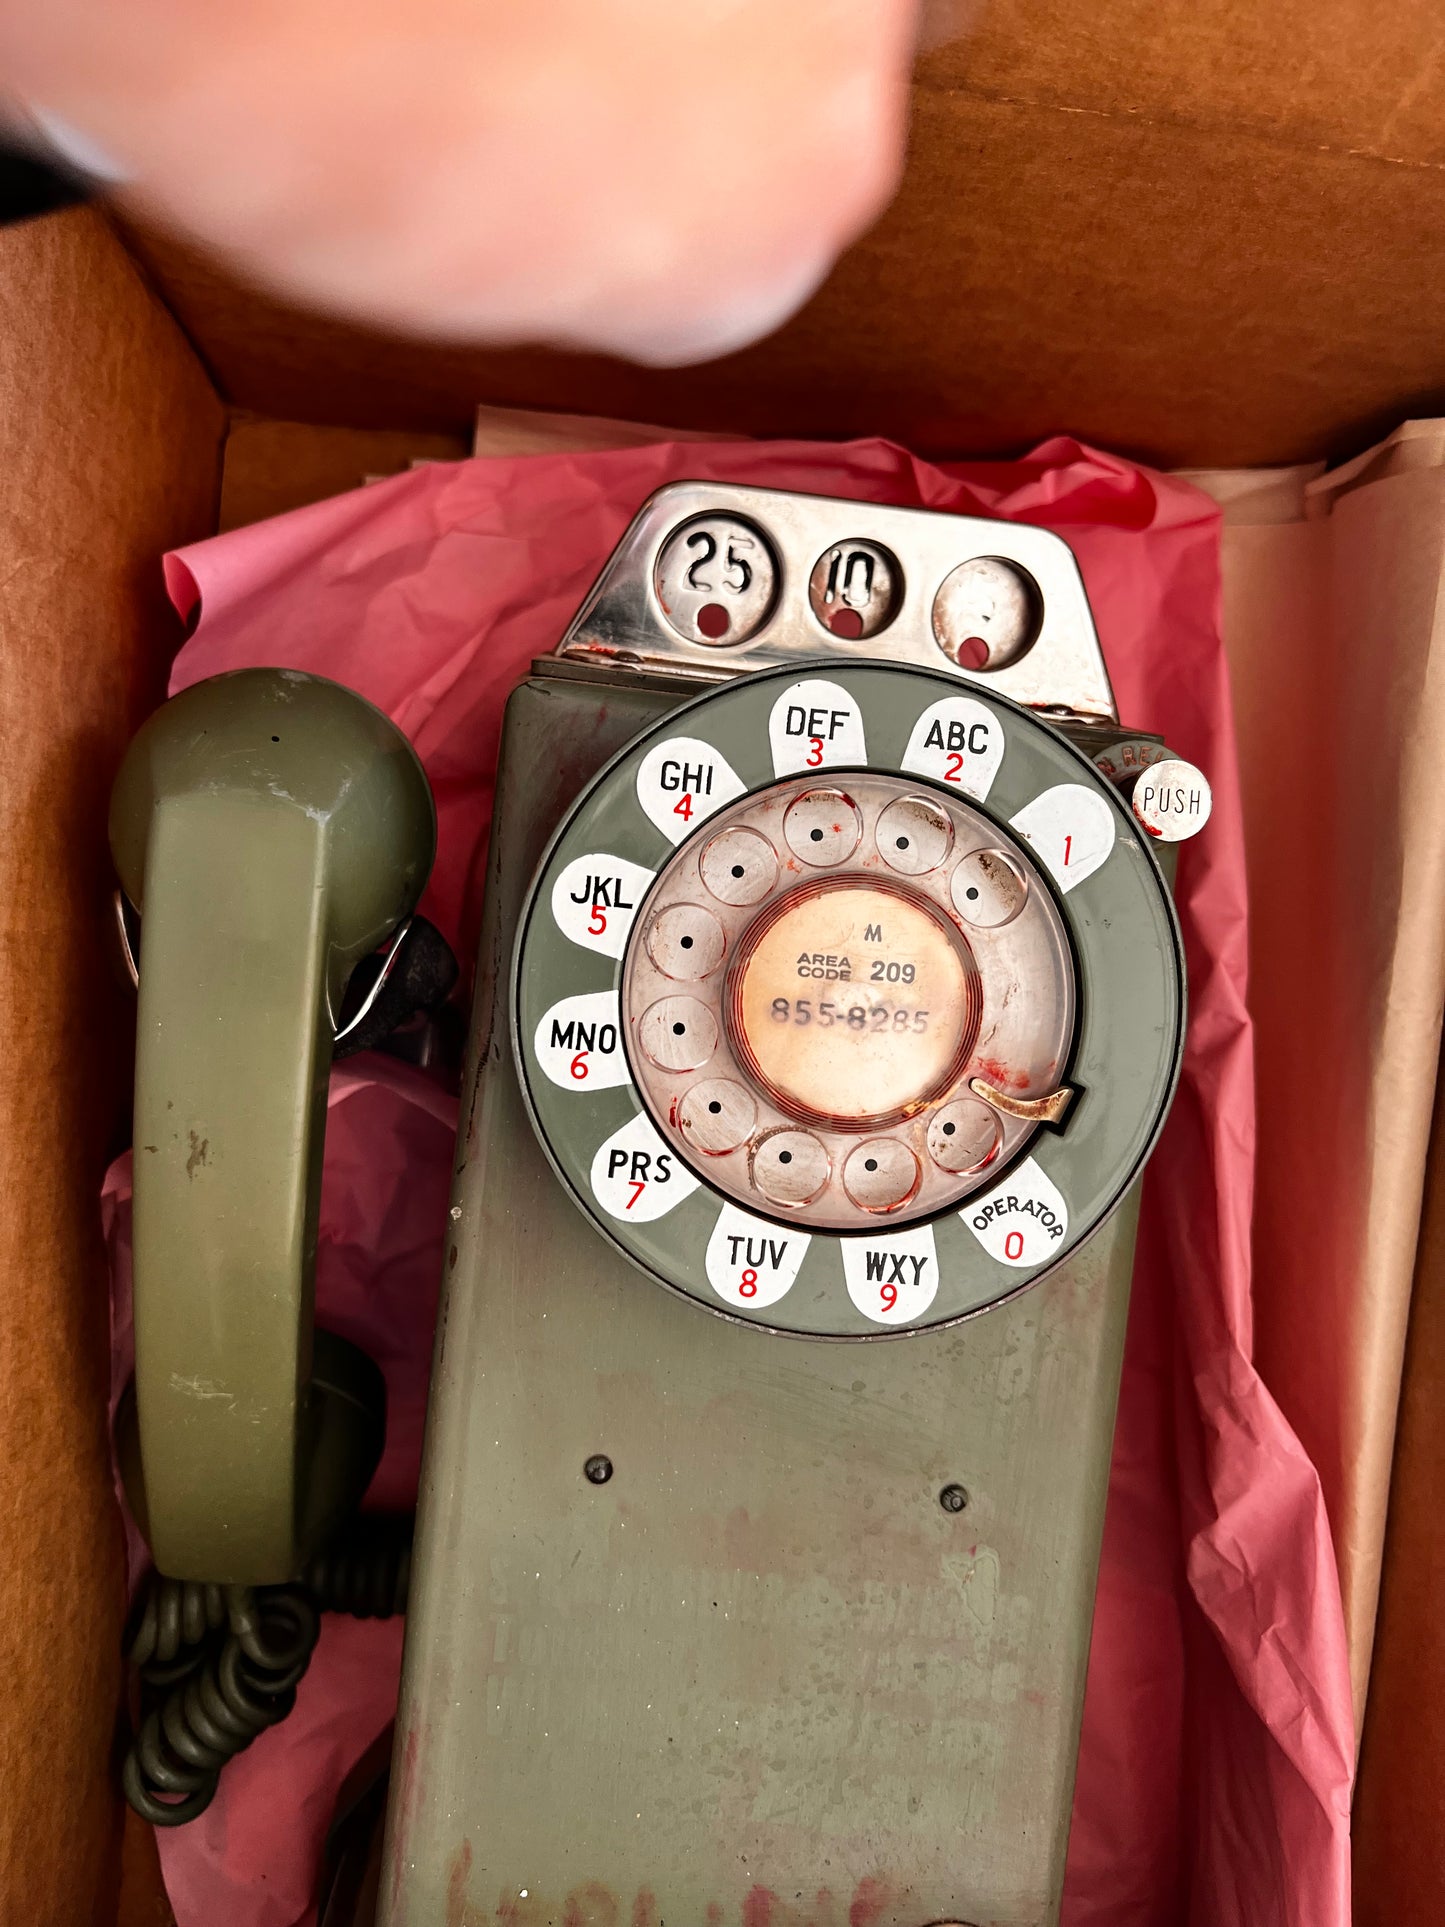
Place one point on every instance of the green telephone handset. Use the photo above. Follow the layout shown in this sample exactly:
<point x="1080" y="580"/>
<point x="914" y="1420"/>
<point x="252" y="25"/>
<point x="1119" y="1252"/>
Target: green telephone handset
<point x="272" y="828"/>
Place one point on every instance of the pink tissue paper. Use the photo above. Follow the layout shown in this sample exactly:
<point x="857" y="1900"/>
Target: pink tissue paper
<point x="1215" y="1769"/>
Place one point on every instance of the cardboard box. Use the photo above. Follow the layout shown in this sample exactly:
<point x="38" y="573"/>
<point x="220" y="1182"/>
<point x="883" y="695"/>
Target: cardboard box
<point x="1196" y="231"/>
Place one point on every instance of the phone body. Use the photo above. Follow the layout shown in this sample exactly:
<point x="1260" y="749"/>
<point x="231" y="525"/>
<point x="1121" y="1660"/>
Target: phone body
<point x="738" y="1613"/>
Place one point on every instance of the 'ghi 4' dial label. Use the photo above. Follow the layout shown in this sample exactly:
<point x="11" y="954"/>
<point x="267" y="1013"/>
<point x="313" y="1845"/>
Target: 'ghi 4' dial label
<point x="595" y="899"/>
<point x="681" y="782"/>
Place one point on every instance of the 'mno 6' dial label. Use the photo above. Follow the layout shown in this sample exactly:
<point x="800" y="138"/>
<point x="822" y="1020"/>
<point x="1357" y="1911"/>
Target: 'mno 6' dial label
<point x="579" y="1043"/>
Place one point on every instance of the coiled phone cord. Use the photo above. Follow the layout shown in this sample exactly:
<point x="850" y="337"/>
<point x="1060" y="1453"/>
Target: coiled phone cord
<point x="220" y="1664"/>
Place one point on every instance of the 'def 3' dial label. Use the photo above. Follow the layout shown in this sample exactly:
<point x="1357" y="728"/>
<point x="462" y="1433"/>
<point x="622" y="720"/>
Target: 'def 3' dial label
<point x="815" y="725"/>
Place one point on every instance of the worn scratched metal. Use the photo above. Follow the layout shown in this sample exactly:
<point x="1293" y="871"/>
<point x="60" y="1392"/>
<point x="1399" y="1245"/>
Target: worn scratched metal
<point x="760" y="1677"/>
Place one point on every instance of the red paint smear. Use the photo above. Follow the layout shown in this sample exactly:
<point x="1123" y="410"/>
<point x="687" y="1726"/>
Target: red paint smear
<point x="405" y="1809"/>
<point x="600" y="1903"/>
<point x="870" y="1900"/>
<point x="461" y="1873"/>
<point x="644" y="1909"/>
<point x="758" y="1907"/>
<point x="714" y="1914"/>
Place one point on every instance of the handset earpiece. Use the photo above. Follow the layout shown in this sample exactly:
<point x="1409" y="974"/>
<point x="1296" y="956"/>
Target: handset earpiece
<point x="272" y="828"/>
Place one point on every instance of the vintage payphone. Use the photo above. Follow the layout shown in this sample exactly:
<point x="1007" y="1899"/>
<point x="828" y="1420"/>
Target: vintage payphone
<point x="834" y="973"/>
<point x="829" y="996"/>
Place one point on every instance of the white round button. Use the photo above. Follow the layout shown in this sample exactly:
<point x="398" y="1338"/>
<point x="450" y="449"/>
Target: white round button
<point x="1172" y="800"/>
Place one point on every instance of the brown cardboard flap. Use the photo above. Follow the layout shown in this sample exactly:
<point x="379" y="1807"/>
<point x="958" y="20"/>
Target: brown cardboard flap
<point x="1399" y="1868"/>
<point x="1333" y="620"/>
<point x="109" y="443"/>
<point x="1200" y="233"/>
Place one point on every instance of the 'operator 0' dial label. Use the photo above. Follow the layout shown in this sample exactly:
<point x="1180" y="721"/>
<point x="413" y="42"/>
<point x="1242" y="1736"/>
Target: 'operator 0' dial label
<point x="636" y="1176"/>
<point x="1023" y="1221"/>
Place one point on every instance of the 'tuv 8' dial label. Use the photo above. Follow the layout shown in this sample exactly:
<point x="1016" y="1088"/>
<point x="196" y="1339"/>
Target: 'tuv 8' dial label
<point x="681" y="782"/>
<point x="579" y="1043"/>
<point x="636" y="1176"/>
<point x="813" y="725"/>
<point x="595" y="899"/>
<point x="751" y="1262"/>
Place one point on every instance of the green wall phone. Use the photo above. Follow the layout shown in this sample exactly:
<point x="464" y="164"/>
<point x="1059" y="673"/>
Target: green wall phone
<point x="829" y="1003"/>
<point x="842" y="992"/>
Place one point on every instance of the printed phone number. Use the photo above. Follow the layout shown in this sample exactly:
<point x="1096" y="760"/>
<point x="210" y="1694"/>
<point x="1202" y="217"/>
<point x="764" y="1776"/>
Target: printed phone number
<point x="855" y="1017"/>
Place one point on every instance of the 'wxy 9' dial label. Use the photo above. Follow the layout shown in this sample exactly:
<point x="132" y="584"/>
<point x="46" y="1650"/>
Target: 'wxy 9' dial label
<point x="1071" y="831"/>
<point x="1023" y="1220"/>
<point x="957" y="742"/>
<point x="750" y="1262"/>
<point x="814" y="725"/>
<point x="579" y="1043"/>
<point x="681" y="782"/>
<point x="636" y="1177"/>
<point x="892" y="1279"/>
<point x="595" y="899"/>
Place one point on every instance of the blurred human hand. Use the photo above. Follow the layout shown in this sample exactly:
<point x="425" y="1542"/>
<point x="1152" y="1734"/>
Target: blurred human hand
<point x="663" y="179"/>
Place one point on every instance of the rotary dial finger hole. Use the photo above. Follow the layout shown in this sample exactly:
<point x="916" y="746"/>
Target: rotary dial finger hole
<point x="823" y="827"/>
<point x="686" y="942"/>
<point x="739" y="867"/>
<point x="790" y="1168"/>
<point x="913" y="836"/>
<point x="717" y="1115"/>
<point x="678" y="1033"/>
<point x="988" y="889"/>
<point x="881" y="1175"/>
